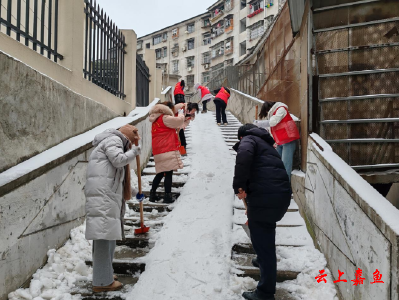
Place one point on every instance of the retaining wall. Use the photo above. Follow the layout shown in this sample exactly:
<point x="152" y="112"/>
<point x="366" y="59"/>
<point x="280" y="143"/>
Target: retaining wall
<point x="42" y="199"/>
<point x="350" y="222"/>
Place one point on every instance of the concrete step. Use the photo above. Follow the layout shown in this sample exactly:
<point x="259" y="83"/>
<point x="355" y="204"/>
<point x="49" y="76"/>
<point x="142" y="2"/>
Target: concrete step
<point x="124" y="266"/>
<point x="140" y="241"/>
<point x="149" y="207"/>
<point x="174" y="184"/>
<point x="254" y="273"/>
<point x="249" y="249"/>
<point x="147" y="173"/>
<point x="84" y="289"/>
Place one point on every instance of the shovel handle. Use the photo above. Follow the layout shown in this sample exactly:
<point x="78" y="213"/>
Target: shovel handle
<point x="136" y="142"/>
<point x="141" y="215"/>
<point x="256" y="112"/>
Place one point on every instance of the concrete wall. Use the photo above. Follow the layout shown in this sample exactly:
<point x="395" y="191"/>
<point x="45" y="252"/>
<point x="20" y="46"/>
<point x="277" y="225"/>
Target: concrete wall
<point x="39" y="214"/>
<point x="38" y="113"/>
<point x="69" y="70"/>
<point x="350" y="222"/>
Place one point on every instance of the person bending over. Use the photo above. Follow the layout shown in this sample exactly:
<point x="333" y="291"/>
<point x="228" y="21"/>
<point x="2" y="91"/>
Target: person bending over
<point x="221" y="99"/>
<point x="165" y="146"/>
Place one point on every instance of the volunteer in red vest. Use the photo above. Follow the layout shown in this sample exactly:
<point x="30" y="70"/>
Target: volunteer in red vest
<point x="165" y="146"/>
<point x="283" y="129"/>
<point x="179" y="92"/>
<point x="206" y="96"/>
<point x="221" y="99"/>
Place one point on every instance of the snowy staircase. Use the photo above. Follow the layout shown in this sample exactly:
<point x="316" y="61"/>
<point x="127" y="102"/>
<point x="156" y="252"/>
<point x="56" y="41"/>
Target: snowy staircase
<point x="129" y="259"/>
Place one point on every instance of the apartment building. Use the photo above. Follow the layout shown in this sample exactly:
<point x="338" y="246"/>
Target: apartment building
<point x="199" y="48"/>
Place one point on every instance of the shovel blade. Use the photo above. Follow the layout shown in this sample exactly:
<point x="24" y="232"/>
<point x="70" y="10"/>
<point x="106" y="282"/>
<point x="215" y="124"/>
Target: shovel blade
<point x="141" y="230"/>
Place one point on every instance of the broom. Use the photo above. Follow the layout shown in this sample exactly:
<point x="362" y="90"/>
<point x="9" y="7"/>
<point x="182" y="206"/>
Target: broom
<point x="140" y="197"/>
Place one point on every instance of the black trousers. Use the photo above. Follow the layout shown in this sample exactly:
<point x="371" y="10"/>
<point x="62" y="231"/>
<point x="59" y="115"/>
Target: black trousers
<point x="263" y="237"/>
<point x="168" y="181"/>
<point x="204" y="106"/>
<point x="179" y="98"/>
<point x="220" y="110"/>
<point x="182" y="138"/>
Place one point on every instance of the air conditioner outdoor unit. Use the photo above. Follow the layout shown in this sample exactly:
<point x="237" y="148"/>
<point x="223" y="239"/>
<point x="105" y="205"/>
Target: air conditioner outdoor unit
<point x="183" y="49"/>
<point x="207" y="66"/>
<point x="189" y="69"/>
<point x="186" y="32"/>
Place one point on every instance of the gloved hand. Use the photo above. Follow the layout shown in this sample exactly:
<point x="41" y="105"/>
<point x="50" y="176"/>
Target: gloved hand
<point x="136" y="150"/>
<point x="140" y="197"/>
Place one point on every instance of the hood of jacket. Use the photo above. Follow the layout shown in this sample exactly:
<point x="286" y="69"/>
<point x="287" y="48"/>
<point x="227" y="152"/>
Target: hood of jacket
<point x="108" y="133"/>
<point x="259" y="132"/>
<point x="274" y="108"/>
<point x="158" y="110"/>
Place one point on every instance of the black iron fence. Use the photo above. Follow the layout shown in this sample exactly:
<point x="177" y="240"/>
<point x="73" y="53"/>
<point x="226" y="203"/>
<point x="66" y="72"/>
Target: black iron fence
<point x="34" y="23"/>
<point x="142" y="82"/>
<point x="104" y="51"/>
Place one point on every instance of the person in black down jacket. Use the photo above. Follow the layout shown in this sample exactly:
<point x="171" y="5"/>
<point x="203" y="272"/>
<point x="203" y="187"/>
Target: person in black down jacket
<point x="261" y="181"/>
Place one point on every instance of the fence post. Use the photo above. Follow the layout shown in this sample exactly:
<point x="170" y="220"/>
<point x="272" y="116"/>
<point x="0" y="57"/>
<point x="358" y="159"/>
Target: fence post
<point x="71" y="36"/>
<point x="130" y="67"/>
<point x="150" y="61"/>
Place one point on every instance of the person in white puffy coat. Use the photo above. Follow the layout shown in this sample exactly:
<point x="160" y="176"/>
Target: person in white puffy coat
<point x="104" y="191"/>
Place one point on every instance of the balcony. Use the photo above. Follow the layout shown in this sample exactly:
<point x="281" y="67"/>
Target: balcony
<point x="256" y="33"/>
<point x="228" y="6"/>
<point x="217" y="53"/>
<point x="216" y="17"/>
<point x="229" y="26"/>
<point x="229" y="48"/>
<point x="256" y="12"/>
<point x="206" y="60"/>
<point x="217" y="32"/>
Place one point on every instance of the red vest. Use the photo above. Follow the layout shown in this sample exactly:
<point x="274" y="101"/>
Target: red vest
<point x="204" y="91"/>
<point x="223" y="95"/>
<point x="164" y="139"/>
<point x="178" y="89"/>
<point x="285" y="131"/>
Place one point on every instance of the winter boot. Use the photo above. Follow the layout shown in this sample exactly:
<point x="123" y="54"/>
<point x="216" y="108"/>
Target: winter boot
<point x="168" y="198"/>
<point x="153" y="196"/>
<point x="225" y="124"/>
<point x="255" y="262"/>
<point x="219" y="124"/>
<point x="255" y="295"/>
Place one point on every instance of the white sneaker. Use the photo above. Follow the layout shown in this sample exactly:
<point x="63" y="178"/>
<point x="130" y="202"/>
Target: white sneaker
<point x="219" y="124"/>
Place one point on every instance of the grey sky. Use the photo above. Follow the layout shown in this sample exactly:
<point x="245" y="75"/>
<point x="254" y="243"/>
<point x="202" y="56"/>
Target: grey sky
<point x="148" y="16"/>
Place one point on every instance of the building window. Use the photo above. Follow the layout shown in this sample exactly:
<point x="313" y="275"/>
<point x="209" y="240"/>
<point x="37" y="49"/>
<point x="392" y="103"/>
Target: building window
<point x="206" y="58"/>
<point x="164" y="36"/>
<point x="191" y="27"/>
<point x="148" y="45"/>
<point x="243" y="25"/>
<point x="190" y="81"/>
<point x="190" y="61"/>
<point x="175" y="50"/>
<point x="175" y="66"/>
<point x="158" y="53"/>
<point x="218" y="29"/>
<point x="207" y="22"/>
<point x="243" y="4"/>
<point x="139" y="45"/>
<point x="218" y="50"/>
<point x="228" y="5"/>
<point x="256" y="30"/>
<point x="243" y="48"/>
<point x="190" y="44"/>
<point x="207" y="39"/>
<point x="256" y="6"/>
<point x="175" y="33"/>
<point x="206" y="77"/>
<point x="157" y="39"/>
<point x="165" y="51"/>
<point x="228" y="47"/>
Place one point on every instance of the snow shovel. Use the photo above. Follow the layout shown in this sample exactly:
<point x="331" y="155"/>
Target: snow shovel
<point x="140" y="197"/>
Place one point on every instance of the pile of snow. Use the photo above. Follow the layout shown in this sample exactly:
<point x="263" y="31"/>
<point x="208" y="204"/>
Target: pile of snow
<point x="63" y="270"/>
